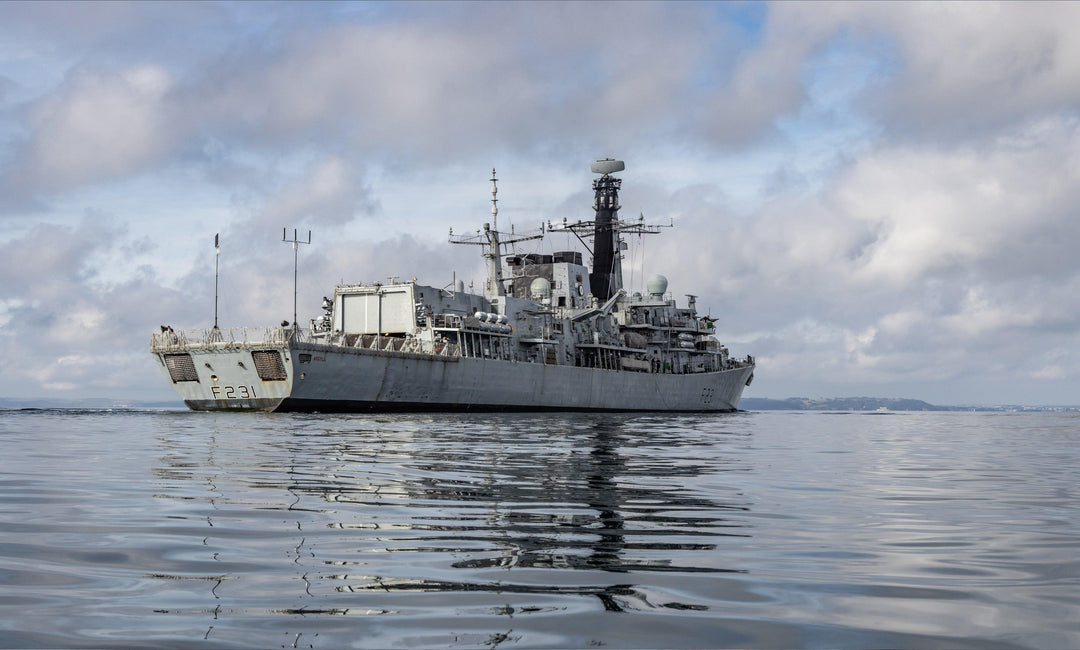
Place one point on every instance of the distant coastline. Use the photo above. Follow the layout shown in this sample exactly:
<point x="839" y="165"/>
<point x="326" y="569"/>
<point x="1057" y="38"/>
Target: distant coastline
<point x="94" y="403"/>
<point x="875" y="404"/>
<point x="855" y="404"/>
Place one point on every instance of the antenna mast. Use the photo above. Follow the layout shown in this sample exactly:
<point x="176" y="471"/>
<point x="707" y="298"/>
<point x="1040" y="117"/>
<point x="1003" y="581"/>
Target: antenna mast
<point x="217" y="265"/>
<point x="295" y="241"/>
<point x="606" y="229"/>
<point x="492" y="244"/>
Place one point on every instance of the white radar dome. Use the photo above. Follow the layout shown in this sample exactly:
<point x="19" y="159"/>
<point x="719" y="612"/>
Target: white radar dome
<point x="540" y="288"/>
<point x="657" y="285"/>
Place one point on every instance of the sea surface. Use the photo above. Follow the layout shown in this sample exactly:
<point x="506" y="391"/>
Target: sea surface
<point x="750" y="530"/>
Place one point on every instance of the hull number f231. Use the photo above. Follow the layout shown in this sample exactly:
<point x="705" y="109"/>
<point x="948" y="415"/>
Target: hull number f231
<point x="233" y="392"/>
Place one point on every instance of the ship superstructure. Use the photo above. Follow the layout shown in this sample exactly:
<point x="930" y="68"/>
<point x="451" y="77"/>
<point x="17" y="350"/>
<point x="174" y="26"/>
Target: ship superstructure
<point x="546" y="333"/>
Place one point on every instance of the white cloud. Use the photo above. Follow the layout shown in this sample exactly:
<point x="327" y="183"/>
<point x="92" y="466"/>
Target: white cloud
<point x="328" y="192"/>
<point x="7" y="308"/>
<point x="100" y="126"/>
<point x="49" y="261"/>
<point x="967" y="68"/>
<point x="1049" y="372"/>
<point x="947" y="209"/>
<point x="76" y="324"/>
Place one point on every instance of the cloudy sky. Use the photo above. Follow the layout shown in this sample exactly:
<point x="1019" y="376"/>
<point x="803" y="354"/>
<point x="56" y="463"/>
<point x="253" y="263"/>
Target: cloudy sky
<point x="874" y="199"/>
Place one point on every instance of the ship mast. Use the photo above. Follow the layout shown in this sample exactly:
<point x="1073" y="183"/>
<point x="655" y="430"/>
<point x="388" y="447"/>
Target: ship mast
<point x="606" y="277"/>
<point x="491" y="241"/>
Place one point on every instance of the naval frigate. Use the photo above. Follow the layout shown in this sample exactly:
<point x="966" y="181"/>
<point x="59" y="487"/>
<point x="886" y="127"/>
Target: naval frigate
<point x="547" y="333"/>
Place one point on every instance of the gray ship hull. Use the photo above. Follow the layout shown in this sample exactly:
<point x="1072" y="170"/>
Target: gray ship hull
<point x="328" y="378"/>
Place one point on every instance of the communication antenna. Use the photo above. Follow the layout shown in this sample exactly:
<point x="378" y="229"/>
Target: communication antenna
<point x="217" y="266"/>
<point x="295" y="241"/>
<point x="215" y="334"/>
<point x="492" y="242"/>
<point x="494" y="200"/>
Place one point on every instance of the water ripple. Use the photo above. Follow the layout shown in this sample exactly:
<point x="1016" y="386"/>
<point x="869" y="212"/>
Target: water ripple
<point x="176" y="529"/>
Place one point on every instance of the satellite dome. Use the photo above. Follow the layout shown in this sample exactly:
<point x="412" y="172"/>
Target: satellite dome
<point x="657" y="285"/>
<point x="540" y="288"/>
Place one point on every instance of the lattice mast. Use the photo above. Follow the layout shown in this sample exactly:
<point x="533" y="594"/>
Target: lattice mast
<point x="492" y="241"/>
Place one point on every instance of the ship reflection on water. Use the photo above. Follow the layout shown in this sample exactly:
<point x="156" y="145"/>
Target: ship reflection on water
<point x="496" y="504"/>
<point x="441" y="527"/>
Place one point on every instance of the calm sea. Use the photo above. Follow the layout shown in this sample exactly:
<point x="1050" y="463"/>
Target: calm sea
<point x="759" y="530"/>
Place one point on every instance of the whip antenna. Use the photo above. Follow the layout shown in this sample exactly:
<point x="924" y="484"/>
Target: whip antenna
<point x="217" y="266"/>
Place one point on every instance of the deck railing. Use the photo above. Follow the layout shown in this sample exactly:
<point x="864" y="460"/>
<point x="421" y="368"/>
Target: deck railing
<point x="238" y="337"/>
<point x="232" y="337"/>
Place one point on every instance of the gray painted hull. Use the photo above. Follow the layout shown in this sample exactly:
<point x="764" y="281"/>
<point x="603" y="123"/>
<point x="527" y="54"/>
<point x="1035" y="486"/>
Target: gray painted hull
<point x="337" y="379"/>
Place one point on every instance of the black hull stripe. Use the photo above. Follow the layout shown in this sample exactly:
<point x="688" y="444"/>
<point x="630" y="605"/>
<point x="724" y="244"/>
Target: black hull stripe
<point x="291" y="405"/>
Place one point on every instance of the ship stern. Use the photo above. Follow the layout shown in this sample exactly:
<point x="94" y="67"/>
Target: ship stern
<point x="213" y="373"/>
